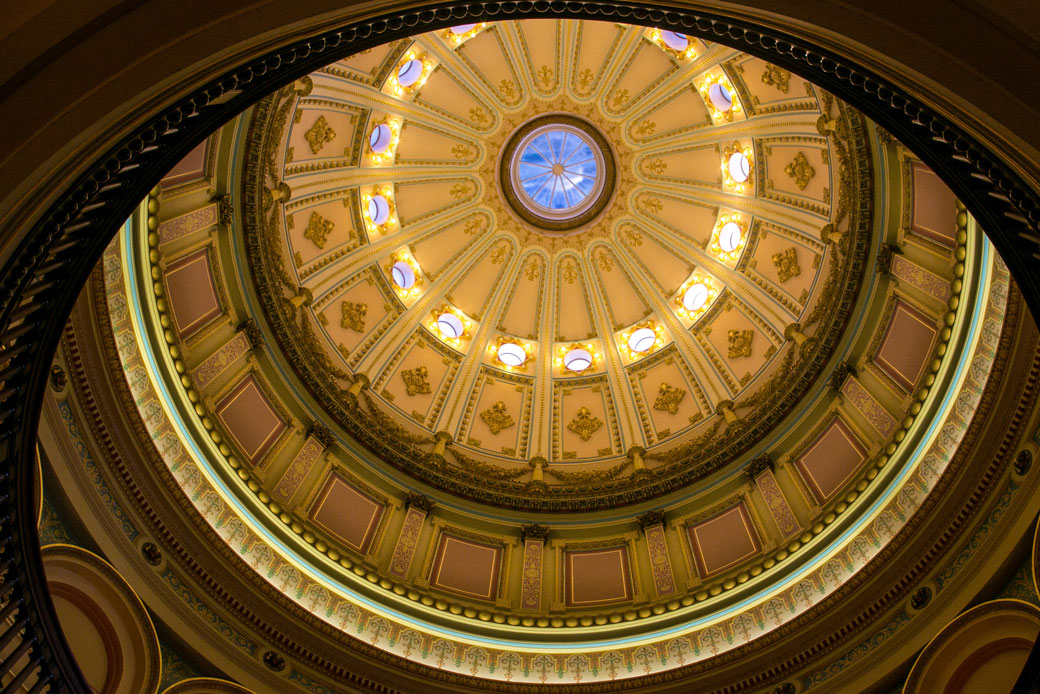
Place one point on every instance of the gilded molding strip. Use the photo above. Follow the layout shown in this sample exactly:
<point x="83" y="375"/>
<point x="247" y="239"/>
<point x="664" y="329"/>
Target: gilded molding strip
<point x="871" y="409"/>
<point x="660" y="564"/>
<point x="407" y="542"/>
<point x="531" y="589"/>
<point x="216" y="363"/>
<point x="298" y="469"/>
<point x="777" y="503"/>
<point x="196" y="220"/>
<point x="914" y="274"/>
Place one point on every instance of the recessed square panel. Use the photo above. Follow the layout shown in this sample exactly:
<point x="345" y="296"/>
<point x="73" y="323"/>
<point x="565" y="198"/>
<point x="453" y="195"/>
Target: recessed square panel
<point x="934" y="207"/>
<point x="250" y="419"/>
<point x="597" y="577"/>
<point x="347" y="512"/>
<point x="192" y="293"/>
<point x="466" y="567"/>
<point x="724" y="540"/>
<point x="189" y="169"/>
<point x="831" y="460"/>
<point x="907" y="345"/>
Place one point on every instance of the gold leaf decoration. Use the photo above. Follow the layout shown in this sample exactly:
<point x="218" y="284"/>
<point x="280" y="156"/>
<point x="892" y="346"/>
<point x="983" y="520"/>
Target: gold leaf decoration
<point x="507" y="88"/>
<point x="533" y="269"/>
<point x="478" y="115"/>
<point x="354" y="316"/>
<point x="461" y="151"/>
<point x="545" y="75"/>
<point x="585" y="424"/>
<point x="319" y="134"/>
<point x="620" y="98"/>
<point x="657" y="165"/>
<point x="318" y="229"/>
<point x="497" y="418"/>
<point x="570" y="272"/>
<point x="800" y="170"/>
<point x="740" y="343"/>
<point x="585" y="78"/>
<point x="786" y="264"/>
<point x="668" y="398"/>
<point x="459" y="191"/>
<point x="498" y="255"/>
<point x="415" y="382"/>
<point x="777" y="77"/>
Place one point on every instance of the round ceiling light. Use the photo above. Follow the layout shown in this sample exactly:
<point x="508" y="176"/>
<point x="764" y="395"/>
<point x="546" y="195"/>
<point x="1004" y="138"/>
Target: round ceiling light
<point x="739" y="167"/>
<point x="450" y="325"/>
<point x="675" y="40"/>
<point x="461" y="29"/>
<point x="729" y="237"/>
<point x="409" y="73"/>
<point x="642" y="339"/>
<point x="403" y="274"/>
<point x="695" y="297"/>
<point x="378" y="210"/>
<point x="511" y="354"/>
<point x="720" y="97"/>
<point x="577" y="360"/>
<point x="380" y="138"/>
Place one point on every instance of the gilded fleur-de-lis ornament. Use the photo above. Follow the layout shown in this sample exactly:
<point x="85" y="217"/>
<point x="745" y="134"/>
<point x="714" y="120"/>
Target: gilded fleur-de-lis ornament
<point x="786" y="264"/>
<point x="354" y="316"/>
<point x="740" y="343"/>
<point x="497" y="418"/>
<point x="668" y="398"/>
<point x="415" y="382"/>
<point x="585" y="424"/>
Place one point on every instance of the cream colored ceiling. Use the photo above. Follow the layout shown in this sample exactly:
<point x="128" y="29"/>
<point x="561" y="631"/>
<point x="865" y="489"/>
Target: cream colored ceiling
<point x="551" y="292"/>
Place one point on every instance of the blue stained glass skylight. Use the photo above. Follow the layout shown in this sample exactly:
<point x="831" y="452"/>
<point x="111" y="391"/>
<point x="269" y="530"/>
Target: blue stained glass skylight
<point x="558" y="170"/>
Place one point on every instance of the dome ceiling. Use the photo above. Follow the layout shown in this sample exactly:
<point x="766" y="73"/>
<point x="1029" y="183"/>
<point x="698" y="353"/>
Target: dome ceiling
<point x="394" y="373"/>
<point x="438" y="296"/>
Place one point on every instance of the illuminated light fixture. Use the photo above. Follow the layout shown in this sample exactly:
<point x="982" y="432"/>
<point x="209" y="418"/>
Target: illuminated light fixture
<point x="720" y="97"/>
<point x="410" y="72"/>
<point x="403" y="274"/>
<point x="729" y="237"/>
<point x="379" y="210"/>
<point x="379" y="140"/>
<point x="696" y="297"/>
<point x="450" y="325"/>
<point x="460" y="32"/>
<point x="642" y="339"/>
<point x="673" y="41"/>
<point x="577" y="360"/>
<point x="737" y="166"/>
<point x="511" y="354"/>
<point x="382" y="141"/>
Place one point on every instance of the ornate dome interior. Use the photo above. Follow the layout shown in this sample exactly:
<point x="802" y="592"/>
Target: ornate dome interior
<point x="547" y="352"/>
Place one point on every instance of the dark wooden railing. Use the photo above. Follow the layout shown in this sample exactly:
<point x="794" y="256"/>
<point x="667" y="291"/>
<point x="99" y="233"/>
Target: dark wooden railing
<point x="42" y="278"/>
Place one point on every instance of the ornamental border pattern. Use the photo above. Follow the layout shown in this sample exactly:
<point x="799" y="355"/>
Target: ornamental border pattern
<point x="835" y="577"/>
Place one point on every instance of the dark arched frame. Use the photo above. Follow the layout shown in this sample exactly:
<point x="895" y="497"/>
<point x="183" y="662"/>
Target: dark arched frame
<point x="40" y="282"/>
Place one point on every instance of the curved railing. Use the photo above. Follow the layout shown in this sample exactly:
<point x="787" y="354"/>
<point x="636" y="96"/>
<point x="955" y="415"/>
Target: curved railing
<point x="40" y="282"/>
